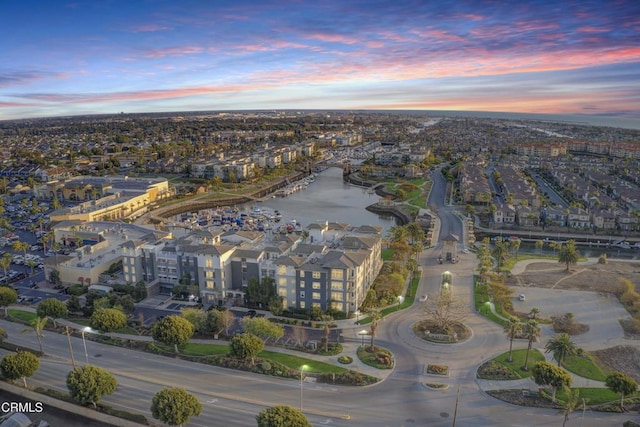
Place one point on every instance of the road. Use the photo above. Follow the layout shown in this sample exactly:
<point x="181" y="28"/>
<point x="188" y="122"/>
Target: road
<point x="233" y="398"/>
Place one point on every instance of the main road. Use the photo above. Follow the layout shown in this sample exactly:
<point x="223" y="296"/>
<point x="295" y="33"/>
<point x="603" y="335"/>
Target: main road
<point x="233" y="398"/>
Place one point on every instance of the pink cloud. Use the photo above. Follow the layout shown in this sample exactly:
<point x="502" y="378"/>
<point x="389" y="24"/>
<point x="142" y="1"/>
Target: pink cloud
<point x="332" y="38"/>
<point x="174" y="51"/>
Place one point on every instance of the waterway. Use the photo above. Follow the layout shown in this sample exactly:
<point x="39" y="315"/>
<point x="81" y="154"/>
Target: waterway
<point x="328" y="198"/>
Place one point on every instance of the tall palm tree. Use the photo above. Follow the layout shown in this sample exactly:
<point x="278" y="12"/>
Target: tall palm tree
<point x="568" y="254"/>
<point x="513" y="328"/>
<point x="20" y="246"/>
<point x="531" y="332"/>
<point x="376" y="317"/>
<point x="38" y="325"/>
<point x="533" y="314"/>
<point x="5" y="263"/>
<point x="561" y="346"/>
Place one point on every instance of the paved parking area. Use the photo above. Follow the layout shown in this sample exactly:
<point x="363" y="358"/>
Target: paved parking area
<point x="601" y="311"/>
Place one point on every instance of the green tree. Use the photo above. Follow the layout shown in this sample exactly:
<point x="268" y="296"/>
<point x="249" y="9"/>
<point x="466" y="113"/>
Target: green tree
<point x="3" y="335"/>
<point x="500" y="253"/>
<point x="415" y="232"/>
<point x="260" y="292"/>
<point x="54" y="276"/>
<point x="376" y="317"/>
<point x="218" y="321"/>
<point x="5" y="263"/>
<point x="108" y="319"/>
<point x="282" y="416"/>
<point x="246" y="346"/>
<point x="531" y="331"/>
<point x="73" y="304"/>
<point x="89" y="383"/>
<point x="20" y="246"/>
<point x="621" y="383"/>
<point x="561" y="347"/>
<point x="22" y="364"/>
<point x="8" y="296"/>
<point x="569" y="405"/>
<point x="173" y="330"/>
<point x="512" y="328"/>
<point x="53" y="309"/>
<point x="550" y="375"/>
<point x="38" y="324"/>
<point x="568" y="254"/>
<point x="196" y="316"/>
<point x="175" y="406"/>
<point x="262" y="328"/>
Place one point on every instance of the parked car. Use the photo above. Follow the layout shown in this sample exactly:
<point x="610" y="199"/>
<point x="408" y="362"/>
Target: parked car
<point x="522" y="297"/>
<point x="423" y="298"/>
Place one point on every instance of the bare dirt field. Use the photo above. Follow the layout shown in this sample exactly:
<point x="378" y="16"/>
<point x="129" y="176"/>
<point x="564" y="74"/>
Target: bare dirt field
<point x="550" y="287"/>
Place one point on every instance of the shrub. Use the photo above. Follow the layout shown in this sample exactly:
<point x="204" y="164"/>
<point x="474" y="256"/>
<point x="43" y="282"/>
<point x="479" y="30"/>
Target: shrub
<point x="345" y="360"/>
<point x="265" y="366"/>
<point x="77" y="289"/>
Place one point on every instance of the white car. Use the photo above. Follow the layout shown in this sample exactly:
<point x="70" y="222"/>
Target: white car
<point x="423" y="298"/>
<point x="521" y="297"/>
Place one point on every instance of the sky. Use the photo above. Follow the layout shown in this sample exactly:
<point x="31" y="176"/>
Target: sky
<point x="60" y="58"/>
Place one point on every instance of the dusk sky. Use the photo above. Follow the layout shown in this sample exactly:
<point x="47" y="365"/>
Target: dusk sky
<point x="102" y="56"/>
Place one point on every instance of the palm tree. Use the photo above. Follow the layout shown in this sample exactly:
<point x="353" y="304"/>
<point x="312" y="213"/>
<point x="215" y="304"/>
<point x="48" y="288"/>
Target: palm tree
<point x="415" y="232"/>
<point x="19" y="246"/>
<point x="569" y="405"/>
<point x="561" y="347"/>
<point x="397" y="233"/>
<point x="500" y="253"/>
<point x="531" y="332"/>
<point x="376" y="317"/>
<point x="533" y="314"/>
<point x="513" y="328"/>
<point x="38" y="325"/>
<point x="568" y="254"/>
<point x="5" y="263"/>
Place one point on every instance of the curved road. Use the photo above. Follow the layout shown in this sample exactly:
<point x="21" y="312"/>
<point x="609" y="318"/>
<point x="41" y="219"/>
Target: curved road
<point x="233" y="398"/>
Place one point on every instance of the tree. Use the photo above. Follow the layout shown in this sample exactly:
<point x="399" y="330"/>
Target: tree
<point x="175" y="406"/>
<point x="38" y="324"/>
<point x="561" y="346"/>
<point x="445" y="310"/>
<point x="73" y="304"/>
<point x="3" y="335"/>
<point x="260" y="292"/>
<point x="19" y="246"/>
<point x="568" y="254"/>
<point x="8" y="296"/>
<point x="196" y="316"/>
<point x="548" y="374"/>
<point x="219" y="320"/>
<point x="282" y="416"/>
<point x="570" y="404"/>
<point x="5" y="263"/>
<point x="512" y="328"/>
<point x="22" y="364"/>
<point x="500" y="253"/>
<point x="54" y="276"/>
<point x="173" y="330"/>
<point x="375" y="317"/>
<point x="108" y="319"/>
<point x="89" y="383"/>
<point x="531" y="332"/>
<point x="415" y="232"/>
<point x="623" y="384"/>
<point x="53" y="309"/>
<point x="262" y="327"/>
<point x="246" y="346"/>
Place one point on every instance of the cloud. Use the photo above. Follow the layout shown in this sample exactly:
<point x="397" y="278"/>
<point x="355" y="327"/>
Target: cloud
<point x="149" y="28"/>
<point x="174" y="51"/>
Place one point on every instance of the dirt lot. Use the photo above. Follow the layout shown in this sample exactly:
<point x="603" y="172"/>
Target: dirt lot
<point x="601" y="311"/>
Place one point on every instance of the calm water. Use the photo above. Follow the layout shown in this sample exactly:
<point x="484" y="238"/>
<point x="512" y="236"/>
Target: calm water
<point x="328" y="198"/>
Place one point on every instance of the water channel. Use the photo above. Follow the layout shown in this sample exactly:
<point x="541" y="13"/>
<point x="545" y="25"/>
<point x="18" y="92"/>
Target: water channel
<point x="328" y="198"/>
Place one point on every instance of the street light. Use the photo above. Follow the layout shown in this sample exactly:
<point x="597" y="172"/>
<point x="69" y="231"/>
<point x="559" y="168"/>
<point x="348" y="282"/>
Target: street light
<point x="400" y="301"/>
<point x="84" y="343"/>
<point x="362" y="333"/>
<point x="302" y="368"/>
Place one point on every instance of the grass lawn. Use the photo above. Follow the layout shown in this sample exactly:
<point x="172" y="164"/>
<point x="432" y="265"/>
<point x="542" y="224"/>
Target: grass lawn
<point x="518" y="361"/>
<point x="25" y="316"/>
<point x="594" y="395"/>
<point x="481" y="298"/>
<point x="372" y="359"/>
<point x="584" y="366"/>
<point x="198" y="349"/>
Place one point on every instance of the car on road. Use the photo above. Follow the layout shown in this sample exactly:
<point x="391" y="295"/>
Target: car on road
<point x="522" y="297"/>
<point x="423" y="298"/>
<point x="251" y="313"/>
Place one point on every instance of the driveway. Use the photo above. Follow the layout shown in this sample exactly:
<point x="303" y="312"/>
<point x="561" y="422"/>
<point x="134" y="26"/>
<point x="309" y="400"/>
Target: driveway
<point x="601" y="311"/>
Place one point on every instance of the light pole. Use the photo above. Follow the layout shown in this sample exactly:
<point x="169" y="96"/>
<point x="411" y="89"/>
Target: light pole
<point x="362" y="333"/>
<point x="84" y="343"/>
<point x="400" y="301"/>
<point x="584" y="408"/>
<point x="302" y="368"/>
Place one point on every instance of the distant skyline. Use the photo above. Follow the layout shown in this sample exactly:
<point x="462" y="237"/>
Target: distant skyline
<point x="104" y="57"/>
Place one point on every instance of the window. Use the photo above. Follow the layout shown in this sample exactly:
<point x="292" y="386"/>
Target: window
<point x="282" y="281"/>
<point x="282" y="270"/>
<point x="338" y="286"/>
<point x="208" y="263"/>
<point x="302" y="304"/>
<point x="337" y="274"/>
<point x="316" y="274"/>
<point x="336" y="296"/>
<point x="316" y="295"/>
<point x="316" y="285"/>
<point x="282" y="292"/>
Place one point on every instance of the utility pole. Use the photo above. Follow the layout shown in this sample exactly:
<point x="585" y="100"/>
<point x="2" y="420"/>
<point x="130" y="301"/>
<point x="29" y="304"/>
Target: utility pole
<point x="73" y="361"/>
<point x="455" y="411"/>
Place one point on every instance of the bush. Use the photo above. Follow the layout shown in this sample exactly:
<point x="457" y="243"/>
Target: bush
<point x="77" y="289"/>
<point x="345" y="360"/>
